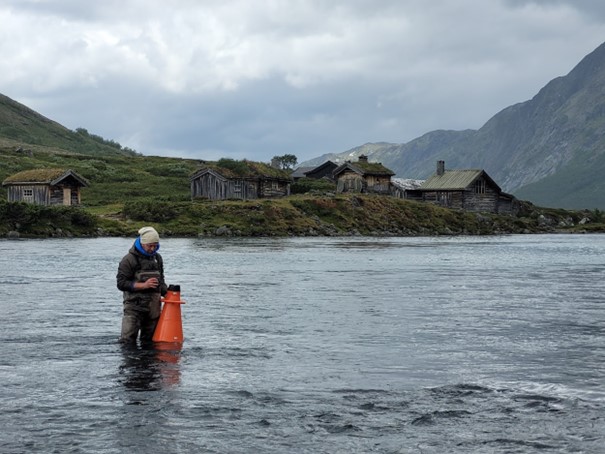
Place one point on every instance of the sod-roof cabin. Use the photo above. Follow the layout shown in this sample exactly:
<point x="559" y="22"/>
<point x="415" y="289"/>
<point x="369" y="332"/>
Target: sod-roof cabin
<point x="45" y="187"/>
<point x="469" y="189"/>
<point x="363" y="176"/>
<point x="244" y="180"/>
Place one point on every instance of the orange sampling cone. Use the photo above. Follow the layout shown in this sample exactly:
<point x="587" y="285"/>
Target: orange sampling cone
<point x="170" y="327"/>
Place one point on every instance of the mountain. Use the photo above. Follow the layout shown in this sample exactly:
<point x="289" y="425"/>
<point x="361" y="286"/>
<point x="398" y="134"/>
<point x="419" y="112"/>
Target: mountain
<point x="21" y="127"/>
<point x="549" y="150"/>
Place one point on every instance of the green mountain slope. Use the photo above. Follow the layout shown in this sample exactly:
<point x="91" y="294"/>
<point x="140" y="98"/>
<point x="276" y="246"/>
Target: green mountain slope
<point x="21" y="127"/>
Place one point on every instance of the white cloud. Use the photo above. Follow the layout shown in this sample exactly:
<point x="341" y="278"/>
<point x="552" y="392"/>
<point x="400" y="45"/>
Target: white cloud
<point x="255" y="79"/>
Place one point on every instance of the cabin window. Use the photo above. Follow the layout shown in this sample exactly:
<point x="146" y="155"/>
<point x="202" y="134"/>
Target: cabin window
<point x="237" y="187"/>
<point x="28" y="195"/>
<point x="274" y="185"/>
<point x="444" y="198"/>
<point x="480" y="186"/>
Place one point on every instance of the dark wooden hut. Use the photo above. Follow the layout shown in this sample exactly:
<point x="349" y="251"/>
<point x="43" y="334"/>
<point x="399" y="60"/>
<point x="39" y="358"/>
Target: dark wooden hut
<point x="324" y="170"/>
<point x="244" y="180"/>
<point x="363" y="176"/>
<point x="300" y="172"/>
<point x="45" y="187"/>
<point x="471" y="189"/>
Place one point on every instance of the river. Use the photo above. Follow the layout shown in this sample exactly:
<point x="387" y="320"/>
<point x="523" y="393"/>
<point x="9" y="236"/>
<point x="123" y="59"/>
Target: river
<point x="311" y="345"/>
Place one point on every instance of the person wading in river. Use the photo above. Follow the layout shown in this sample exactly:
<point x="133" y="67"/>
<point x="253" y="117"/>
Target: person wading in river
<point x="141" y="278"/>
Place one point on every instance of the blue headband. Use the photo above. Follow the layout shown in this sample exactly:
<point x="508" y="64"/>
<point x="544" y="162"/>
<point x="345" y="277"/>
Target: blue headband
<point x="139" y="247"/>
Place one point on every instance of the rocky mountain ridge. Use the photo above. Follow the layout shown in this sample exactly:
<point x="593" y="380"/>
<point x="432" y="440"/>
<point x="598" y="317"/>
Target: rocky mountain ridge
<point x="549" y="150"/>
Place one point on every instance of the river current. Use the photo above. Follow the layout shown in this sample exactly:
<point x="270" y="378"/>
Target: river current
<point x="311" y="345"/>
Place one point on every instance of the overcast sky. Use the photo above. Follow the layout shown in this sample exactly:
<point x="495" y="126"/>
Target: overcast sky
<point x="258" y="78"/>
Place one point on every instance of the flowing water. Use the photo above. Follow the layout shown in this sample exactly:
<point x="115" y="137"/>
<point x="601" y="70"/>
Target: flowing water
<point x="311" y="345"/>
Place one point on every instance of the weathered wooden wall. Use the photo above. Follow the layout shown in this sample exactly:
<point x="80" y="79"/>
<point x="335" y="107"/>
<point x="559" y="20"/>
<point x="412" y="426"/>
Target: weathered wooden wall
<point x="211" y="186"/>
<point x="215" y="187"/>
<point x="350" y="181"/>
<point x="44" y="195"/>
<point x="490" y="201"/>
<point x="274" y="188"/>
<point x="378" y="184"/>
<point x="40" y="194"/>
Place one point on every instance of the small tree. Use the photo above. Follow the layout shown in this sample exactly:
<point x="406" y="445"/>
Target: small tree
<point x="285" y="162"/>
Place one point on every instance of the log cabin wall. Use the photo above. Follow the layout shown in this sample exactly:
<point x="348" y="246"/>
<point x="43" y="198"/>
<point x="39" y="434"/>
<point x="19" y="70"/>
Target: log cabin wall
<point x="486" y="201"/>
<point x="31" y="193"/>
<point x="56" y="195"/>
<point x="274" y="188"/>
<point x="211" y="185"/>
<point x="44" y="195"/>
<point x="350" y="181"/>
<point x="214" y="187"/>
<point x="378" y="184"/>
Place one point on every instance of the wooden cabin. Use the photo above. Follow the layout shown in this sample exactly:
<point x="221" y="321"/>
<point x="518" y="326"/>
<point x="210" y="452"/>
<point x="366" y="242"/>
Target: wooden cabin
<point x="363" y="176"/>
<point x="243" y="180"/>
<point x="324" y="170"/>
<point x="472" y="190"/>
<point x="45" y="187"/>
<point x="300" y="172"/>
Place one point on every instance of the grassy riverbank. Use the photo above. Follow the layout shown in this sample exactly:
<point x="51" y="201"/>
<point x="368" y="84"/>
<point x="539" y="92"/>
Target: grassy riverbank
<point x="128" y="190"/>
<point x="298" y="215"/>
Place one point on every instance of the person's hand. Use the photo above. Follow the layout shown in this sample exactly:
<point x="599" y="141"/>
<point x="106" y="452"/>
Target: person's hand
<point x="152" y="283"/>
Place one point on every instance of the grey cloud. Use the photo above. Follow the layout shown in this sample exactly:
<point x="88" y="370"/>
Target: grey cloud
<point x="69" y="9"/>
<point x="594" y="9"/>
<point x="255" y="79"/>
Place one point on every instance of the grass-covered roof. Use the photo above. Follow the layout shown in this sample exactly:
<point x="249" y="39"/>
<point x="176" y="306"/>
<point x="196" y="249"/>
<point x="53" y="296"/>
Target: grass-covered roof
<point x="365" y="168"/>
<point x="42" y="176"/>
<point x="231" y="168"/>
<point x="373" y="168"/>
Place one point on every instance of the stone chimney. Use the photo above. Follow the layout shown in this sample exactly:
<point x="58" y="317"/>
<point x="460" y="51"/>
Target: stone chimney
<point x="440" y="167"/>
<point x="363" y="158"/>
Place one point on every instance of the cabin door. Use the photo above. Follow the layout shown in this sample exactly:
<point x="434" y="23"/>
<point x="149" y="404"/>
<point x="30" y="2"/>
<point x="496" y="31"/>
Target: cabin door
<point x="66" y="196"/>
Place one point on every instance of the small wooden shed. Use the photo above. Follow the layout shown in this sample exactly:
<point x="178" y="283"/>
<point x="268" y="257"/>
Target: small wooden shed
<point x="45" y="187"/>
<point x="324" y="170"/>
<point x="244" y="180"/>
<point x="469" y="189"/>
<point x="363" y="176"/>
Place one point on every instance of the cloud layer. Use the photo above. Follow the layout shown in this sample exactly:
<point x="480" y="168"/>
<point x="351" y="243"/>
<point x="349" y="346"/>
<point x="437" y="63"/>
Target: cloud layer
<point x="242" y="79"/>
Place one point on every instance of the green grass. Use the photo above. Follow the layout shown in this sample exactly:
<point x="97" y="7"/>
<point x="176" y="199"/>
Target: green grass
<point x="127" y="191"/>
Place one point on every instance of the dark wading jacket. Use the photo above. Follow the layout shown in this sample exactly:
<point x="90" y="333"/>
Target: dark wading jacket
<point x="136" y="267"/>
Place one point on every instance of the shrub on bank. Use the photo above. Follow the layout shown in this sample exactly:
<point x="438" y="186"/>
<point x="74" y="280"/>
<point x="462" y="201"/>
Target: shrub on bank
<point x="304" y="185"/>
<point x="40" y="220"/>
<point x="153" y="210"/>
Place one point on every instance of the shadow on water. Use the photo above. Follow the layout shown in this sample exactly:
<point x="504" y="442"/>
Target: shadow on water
<point x="150" y="367"/>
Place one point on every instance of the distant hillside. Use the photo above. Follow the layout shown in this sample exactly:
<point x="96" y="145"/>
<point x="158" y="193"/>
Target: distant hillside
<point x="127" y="189"/>
<point x="21" y="127"/>
<point x="549" y="150"/>
<point x="116" y="174"/>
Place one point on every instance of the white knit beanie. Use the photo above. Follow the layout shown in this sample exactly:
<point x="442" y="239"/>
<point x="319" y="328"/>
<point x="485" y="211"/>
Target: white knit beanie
<point x="149" y="235"/>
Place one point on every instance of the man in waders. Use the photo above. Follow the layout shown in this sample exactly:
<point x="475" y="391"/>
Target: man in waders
<point x="141" y="278"/>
